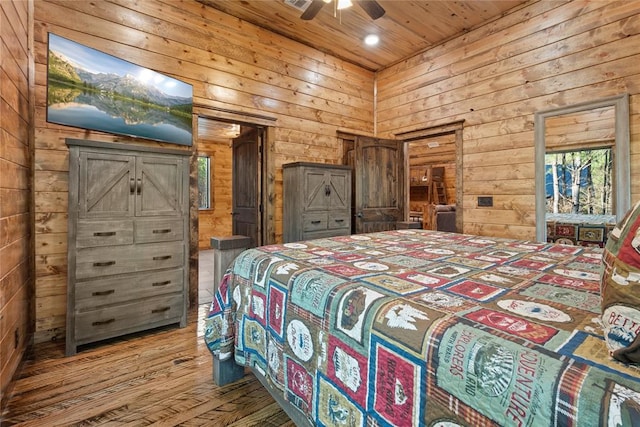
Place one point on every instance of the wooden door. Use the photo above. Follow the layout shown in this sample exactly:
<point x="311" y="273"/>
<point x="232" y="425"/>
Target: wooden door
<point x="106" y="185"/>
<point x="246" y="185"/>
<point x="379" y="184"/>
<point x="158" y="186"/>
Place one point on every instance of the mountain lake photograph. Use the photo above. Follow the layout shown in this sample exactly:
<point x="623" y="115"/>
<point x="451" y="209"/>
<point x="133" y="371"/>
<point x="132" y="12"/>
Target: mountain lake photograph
<point x="93" y="90"/>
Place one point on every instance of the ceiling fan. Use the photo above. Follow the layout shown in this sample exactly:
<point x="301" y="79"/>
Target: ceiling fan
<point x="373" y="9"/>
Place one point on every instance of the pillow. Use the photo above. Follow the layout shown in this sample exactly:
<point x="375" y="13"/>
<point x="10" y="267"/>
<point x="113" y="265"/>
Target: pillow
<point x="620" y="288"/>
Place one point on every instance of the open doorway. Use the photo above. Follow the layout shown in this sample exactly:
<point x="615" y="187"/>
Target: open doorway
<point x="235" y="179"/>
<point x="434" y="176"/>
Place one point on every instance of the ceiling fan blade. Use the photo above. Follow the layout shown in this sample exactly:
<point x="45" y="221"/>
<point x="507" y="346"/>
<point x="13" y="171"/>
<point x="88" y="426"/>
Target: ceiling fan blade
<point x="312" y="10"/>
<point x="373" y="9"/>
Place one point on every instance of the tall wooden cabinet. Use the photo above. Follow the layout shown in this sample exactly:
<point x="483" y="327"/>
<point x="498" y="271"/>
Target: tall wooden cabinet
<point x="316" y="201"/>
<point x="127" y="240"/>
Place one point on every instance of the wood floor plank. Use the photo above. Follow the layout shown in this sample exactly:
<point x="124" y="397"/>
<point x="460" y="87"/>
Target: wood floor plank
<point x="160" y="378"/>
<point x="270" y="415"/>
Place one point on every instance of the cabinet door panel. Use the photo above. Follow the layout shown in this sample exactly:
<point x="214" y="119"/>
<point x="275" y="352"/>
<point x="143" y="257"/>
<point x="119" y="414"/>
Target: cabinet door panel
<point x="340" y="190"/>
<point x="318" y="188"/>
<point x="106" y="185"/>
<point x="159" y="186"/>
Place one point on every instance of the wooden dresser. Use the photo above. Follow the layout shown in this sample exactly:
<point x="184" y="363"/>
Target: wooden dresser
<point x="316" y="201"/>
<point x="127" y="240"/>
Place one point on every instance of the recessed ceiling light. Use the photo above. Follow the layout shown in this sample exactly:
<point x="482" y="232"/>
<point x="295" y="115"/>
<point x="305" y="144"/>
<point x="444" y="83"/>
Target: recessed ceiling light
<point x="371" y="40"/>
<point x="343" y="4"/>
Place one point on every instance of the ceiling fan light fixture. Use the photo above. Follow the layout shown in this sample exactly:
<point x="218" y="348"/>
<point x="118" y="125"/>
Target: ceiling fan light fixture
<point x="371" y="40"/>
<point x="344" y="4"/>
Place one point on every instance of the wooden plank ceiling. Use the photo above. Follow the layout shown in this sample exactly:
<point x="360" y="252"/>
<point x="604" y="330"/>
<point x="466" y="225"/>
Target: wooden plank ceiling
<point x="407" y="27"/>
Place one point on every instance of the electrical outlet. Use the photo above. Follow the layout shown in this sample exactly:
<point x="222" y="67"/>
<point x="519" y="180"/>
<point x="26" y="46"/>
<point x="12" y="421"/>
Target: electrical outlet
<point x="485" y="201"/>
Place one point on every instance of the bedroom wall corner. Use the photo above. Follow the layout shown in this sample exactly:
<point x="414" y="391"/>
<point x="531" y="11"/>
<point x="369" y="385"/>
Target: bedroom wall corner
<point x="495" y="77"/>
<point x="16" y="180"/>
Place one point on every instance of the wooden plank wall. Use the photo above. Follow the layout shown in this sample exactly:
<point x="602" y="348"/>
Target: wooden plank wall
<point x="593" y="128"/>
<point x="547" y="54"/>
<point x="232" y="65"/>
<point x="16" y="246"/>
<point x="217" y="220"/>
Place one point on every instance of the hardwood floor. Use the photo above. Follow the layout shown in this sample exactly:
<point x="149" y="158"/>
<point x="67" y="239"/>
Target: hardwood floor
<point x="162" y="378"/>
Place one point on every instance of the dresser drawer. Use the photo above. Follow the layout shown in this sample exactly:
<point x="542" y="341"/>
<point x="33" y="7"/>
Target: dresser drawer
<point x="338" y="220"/>
<point x="92" y="233"/>
<point x="158" y="230"/>
<point x="113" y="290"/>
<point x="120" y="319"/>
<point x="314" y="222"/>
<point x="107" y="261"/>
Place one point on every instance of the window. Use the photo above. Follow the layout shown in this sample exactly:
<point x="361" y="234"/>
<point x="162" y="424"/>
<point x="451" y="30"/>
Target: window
<point x="204" y="182"/>
<point x="580" y="181"/>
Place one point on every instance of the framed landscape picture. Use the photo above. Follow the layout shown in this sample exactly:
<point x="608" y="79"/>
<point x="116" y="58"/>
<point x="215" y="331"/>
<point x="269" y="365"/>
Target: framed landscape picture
<point x="93" y="90"/>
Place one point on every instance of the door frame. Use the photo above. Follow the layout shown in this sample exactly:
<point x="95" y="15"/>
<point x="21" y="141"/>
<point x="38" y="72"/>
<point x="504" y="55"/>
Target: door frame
<point x="431" y="132"/>
<point x="266" y="164"/>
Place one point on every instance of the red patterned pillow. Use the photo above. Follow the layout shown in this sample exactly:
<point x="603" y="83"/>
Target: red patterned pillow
<point x="620" y="288"/>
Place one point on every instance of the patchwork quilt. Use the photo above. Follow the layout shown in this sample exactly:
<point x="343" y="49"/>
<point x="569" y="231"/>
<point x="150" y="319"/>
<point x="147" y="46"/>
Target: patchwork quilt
<point x="424" y="328"/>
<point x="579" y="229"/>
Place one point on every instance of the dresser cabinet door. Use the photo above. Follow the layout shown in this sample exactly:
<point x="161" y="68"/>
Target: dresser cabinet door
<point x="316" y="189"/>
<point x="106" y="185"/>
<point x="339" y="190"/>
<point x="114" y="185"/>
<point x="159" y="186"/>
<point x="327" y="189"/>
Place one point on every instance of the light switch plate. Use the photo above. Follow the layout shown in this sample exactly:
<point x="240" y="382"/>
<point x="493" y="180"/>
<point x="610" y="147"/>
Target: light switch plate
<point x="485" y="201"/>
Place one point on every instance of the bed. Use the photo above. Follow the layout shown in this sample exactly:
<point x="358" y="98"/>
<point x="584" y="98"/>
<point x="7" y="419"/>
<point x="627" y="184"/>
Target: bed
<point x="579" y="229"/>
<point x="424" y="328"/>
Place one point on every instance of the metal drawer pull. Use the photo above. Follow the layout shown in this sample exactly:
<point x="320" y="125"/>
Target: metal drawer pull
<point x="161" y="258"/>
<point x="316" y="222"/>
<point x="339" y="220"/>
<point x="103" y="264"/>
<point x="165" y="231"/>
<point x="160" y="310"/>
<point x="104" y="233"/>
<point x="103" y="293"/>
<point x="166" y="282"/>
<point x="132" y="186"/>
<point x="103" y="322"/>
